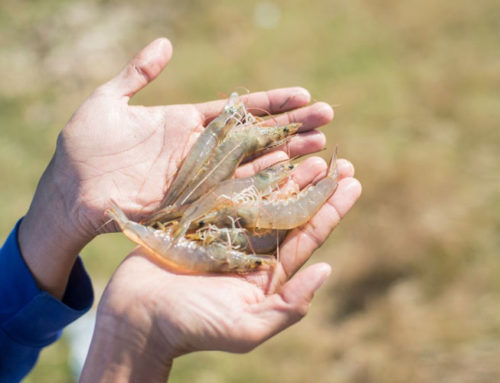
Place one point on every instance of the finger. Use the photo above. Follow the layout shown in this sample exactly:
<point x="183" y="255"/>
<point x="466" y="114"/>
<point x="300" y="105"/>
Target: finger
<point x="281" y="310"/>
<point x="312" y="116"/>
<point x="261" y="103"/>
<point x="304" y="143"/>
<point x="299" y="290"/>
<point x="301" y="242"/>
<point x="298" y="145"/>
<point x="262" y="162"/>
<point x="142" y="69"/>
<point x="309" y="171"/>
<point x="314" y="168"/>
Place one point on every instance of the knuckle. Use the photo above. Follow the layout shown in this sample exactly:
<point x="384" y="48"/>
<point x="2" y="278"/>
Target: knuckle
<point x="139" y="71"/>
<point x="301" y="310"/>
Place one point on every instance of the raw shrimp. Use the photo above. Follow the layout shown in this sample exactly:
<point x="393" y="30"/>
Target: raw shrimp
<point x="188" y="256"/>
<point x="229" y="154"/>
<point x="262" y="183"/>
<point x="213" y="134"/>
<point x="281" y="214"/>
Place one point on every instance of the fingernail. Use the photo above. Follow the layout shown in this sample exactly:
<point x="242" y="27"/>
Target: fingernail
<point x="304" y="92"/>
<point x="345" y="167"/>
<point x="324" y="270"/>
<point x="353" y="183"/>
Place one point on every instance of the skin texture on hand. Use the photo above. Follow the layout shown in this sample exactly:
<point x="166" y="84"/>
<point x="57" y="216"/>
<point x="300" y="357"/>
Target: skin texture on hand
<point x="149" y="315"/>
<point x="113" y="151"/>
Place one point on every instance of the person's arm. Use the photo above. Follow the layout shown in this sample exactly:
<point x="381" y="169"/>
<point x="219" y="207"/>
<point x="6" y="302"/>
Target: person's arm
<point x="30" y="318"/>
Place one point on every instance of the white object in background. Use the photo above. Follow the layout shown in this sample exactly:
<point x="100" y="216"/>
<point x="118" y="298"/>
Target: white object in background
<point x="79" y="334"/>
<point x="267" y="15"/>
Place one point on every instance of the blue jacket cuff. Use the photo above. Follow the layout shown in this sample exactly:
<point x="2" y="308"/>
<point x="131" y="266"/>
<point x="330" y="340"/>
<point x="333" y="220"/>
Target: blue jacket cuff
<point x="28" y="315"/>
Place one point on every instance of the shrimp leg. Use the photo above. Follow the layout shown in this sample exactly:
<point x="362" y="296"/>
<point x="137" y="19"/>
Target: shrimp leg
<point x="242" y="239"/>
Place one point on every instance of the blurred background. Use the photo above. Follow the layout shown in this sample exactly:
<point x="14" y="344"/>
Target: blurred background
<point x="415" y="290"/>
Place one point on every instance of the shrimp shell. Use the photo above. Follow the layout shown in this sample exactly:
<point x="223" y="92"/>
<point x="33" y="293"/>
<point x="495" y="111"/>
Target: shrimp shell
<point x="188" y="256"/>
<point x="262" y="183"/>
<point x="229" y="154"/>
<point x="282" y="214"/>
<point x="203" y="147"/>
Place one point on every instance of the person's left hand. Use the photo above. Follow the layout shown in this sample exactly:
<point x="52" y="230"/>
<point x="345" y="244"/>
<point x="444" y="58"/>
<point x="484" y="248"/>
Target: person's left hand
<point x="113" y="151"/>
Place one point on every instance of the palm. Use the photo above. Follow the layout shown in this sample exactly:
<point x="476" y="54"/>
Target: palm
<point x="128" y="154"/>
<point x="238" y="312"/>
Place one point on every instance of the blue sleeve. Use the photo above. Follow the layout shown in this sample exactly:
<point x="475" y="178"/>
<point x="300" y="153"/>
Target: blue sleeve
<point x="31" y="319"/>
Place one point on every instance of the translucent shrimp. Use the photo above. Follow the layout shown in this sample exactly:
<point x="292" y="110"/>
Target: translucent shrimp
<point x="188" y="256"/>
<point x="229" y="154"/>
<point x="213" y="134"/>
<point x="262" y="183"/>
<point x="282" y="214"/>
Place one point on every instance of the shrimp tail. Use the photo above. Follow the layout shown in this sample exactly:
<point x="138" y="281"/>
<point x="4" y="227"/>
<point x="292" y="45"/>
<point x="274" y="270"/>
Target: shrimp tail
<point x="117" y="215"/>
<point x="332" y="167"/>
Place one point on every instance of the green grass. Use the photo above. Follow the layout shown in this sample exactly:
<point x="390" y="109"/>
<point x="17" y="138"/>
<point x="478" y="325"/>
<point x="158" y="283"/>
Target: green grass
<point x="415" y="289"/>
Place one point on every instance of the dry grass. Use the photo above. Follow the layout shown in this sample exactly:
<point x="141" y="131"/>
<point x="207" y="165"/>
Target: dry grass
<point x="415" y="289"/>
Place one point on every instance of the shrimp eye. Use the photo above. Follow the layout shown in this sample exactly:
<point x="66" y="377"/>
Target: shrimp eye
<point x="202" y="223"/>
<point x="290" y="166"/>
<point x="286" y="130"/>
<point x="258" y="262"/>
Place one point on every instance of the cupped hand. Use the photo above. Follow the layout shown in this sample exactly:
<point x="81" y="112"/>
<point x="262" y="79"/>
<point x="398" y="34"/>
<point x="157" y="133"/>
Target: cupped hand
<point x="149" y="315"/>
<point x="113" y="151"/>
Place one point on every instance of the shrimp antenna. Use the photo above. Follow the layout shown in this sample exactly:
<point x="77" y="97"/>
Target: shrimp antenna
<point x="295" y="158"/>
<point x="333" y="106"/>
<point x="287" y="146"/>
<point x="241" y="87"/>
<point x="277" y="246"/>
<point x="266" y="112"/>
<point x="98" y="230"/>
<point x="245" y="233"/>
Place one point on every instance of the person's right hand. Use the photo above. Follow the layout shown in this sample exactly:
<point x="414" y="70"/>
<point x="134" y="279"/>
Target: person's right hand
<point x="149" y="315"/>
<point x="113" y="151"/>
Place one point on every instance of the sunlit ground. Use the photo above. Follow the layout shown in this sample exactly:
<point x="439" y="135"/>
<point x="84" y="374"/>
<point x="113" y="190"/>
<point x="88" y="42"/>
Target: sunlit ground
<point x="415" y="290"/>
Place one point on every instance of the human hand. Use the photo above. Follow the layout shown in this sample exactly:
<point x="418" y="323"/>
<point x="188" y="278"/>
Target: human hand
<point x="110" y="150"/>
<point x="148" y="315"/>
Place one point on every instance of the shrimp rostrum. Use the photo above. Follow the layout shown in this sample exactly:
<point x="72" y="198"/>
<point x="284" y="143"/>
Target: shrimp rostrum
<point x="209" y="221"/>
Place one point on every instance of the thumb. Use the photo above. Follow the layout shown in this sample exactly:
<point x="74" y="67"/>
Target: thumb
<point x="142" y="69"/>
<point x="280" y="311"/>
<point x="299" y="291"/>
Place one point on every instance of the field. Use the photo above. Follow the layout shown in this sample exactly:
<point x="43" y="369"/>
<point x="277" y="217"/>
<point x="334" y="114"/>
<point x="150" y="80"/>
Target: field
<point x="415" y="291"/>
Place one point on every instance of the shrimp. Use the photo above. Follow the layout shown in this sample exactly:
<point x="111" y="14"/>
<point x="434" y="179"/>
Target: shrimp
<point x="262" y="183"/>
<point x="188" y="256"/>
<point x="203" y="147"/>
<point x="282" y="214"/>
<point x="229" y="154"/>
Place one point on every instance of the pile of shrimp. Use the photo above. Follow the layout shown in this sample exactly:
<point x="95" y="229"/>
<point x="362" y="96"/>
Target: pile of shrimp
<point x="209" y="221"/>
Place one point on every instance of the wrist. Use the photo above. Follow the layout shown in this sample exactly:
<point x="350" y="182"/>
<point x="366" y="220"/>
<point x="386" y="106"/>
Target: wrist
<point x="48" y="241"/>
<point x="122" y="352"/>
